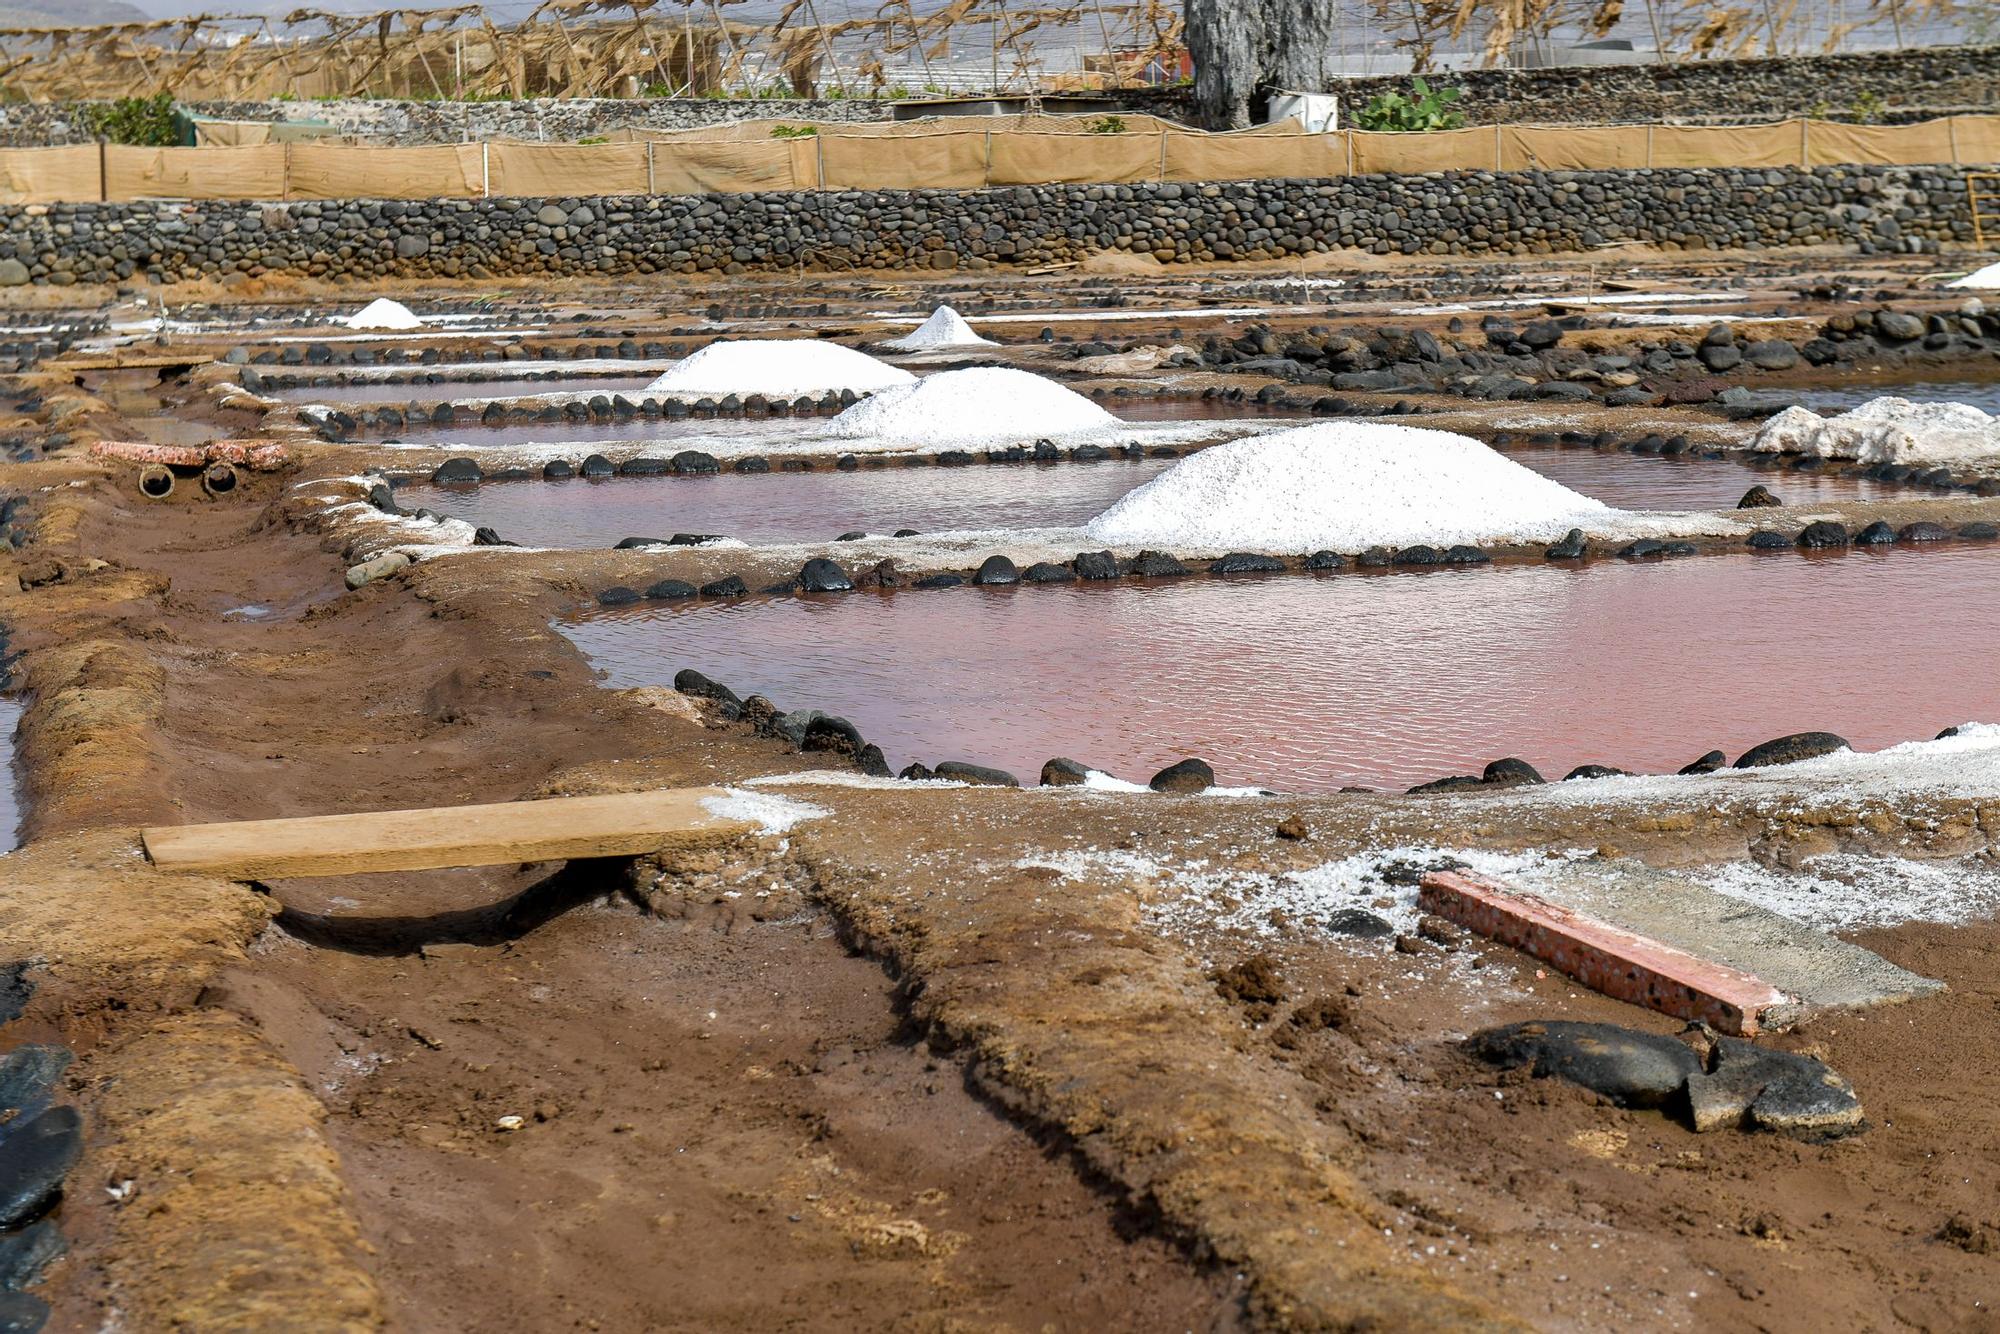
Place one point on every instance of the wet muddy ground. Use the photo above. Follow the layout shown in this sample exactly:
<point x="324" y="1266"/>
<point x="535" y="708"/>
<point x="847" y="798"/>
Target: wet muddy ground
<point x="893" y="1070"/>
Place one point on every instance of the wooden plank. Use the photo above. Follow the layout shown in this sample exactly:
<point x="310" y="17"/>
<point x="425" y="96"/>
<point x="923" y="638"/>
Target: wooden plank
<point x="624" y="824"/>
<point x="1622" y="964"/>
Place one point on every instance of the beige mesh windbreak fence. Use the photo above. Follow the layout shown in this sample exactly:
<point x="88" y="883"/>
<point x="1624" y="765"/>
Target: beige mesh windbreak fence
<point x="253" y="172"/>
<point x="335" y="171"/>
<point x="959" y="153"/>
<point x="51" y="175"/>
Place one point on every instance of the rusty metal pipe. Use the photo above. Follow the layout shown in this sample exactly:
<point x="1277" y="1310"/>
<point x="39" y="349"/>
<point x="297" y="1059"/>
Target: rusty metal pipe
<point x="218" y="479"/>
<point x="156" y="481"/>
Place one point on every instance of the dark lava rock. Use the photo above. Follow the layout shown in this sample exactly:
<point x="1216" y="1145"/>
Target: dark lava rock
<point x="1922" y="532"/>
<point x="1751" y="1086"/>
<point x="25" y="1254"/>
<point x="618" y="596"/>
<point x="1061" y="772"/>
<point x="670" y="590"/>
<point x="34" y="1159"/>
<point x="1595" y="771"/>
<point x="754" y="463"/>
<point x="691" y="682"/>
<point x="1875" y="534"/>
<point x="1632" y="1068"/>
<point x="1375" y="558"/>
<point x="1244" y="562"/>
<point x="1156" y="565"/>
<point x="1898" y="327"/>
<point x="729" y="586"/>
<point x="1572" y="547"/>
<point x="1980" y="530"/>
<point x="1454" y="783"/>
<point x="596" y="465"/>
<point x="1759" y="497"/>
<point x="1791" y="749"/>
<point x="1047" y="572"/>
<point x="1771" y="354"/>
<point x="820" y="575"/>
<point x="995" y="571"/>
<point x="1511" y="772"/>
<point x="940" y="581"/>
<point x="1542" y="334"/>
<point x="1324" y="560"/>
<point x="871" y="761"/>
<point x="28" y="1076"/>
<point x="830" y="733"/>
<point x="1095" y="565"/>
<point x="633" y="543"/>
<point x="1824" y="533"/>
<point x="1707" y="764"/>
<point x="955" y="458"/>
<point x="558" y="470"/>
<point x="15" y="990"/>
<point x="1360" y="923"/>
<point x="978" y="775"/>
<point x="1462" y="554"/>
<point x="1419" y="555"/>
<point x="456" y="472"/>
<point x="1642" y="549"/>
<point x="784" y="588"/>
<point x="1766" y="539"/>
<point x="22" y="1313"/>
<point x="1188" y="775"/>
<point x="916" y="773"/>
<point x="643" y="467"/>
<point x="694" y="461"/>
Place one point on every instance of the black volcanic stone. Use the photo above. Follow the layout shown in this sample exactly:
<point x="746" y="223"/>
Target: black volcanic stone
<point x="1791" y="749"/>
<point x="1244" y="562"/>
<point x="820" y="575"/>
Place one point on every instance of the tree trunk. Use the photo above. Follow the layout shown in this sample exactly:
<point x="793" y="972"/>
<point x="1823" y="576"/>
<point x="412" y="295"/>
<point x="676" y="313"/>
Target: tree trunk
<point x="1243" y="49"/>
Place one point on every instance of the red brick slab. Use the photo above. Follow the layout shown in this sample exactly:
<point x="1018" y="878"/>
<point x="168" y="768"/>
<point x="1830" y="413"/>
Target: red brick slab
<point x="1622" y="964"/>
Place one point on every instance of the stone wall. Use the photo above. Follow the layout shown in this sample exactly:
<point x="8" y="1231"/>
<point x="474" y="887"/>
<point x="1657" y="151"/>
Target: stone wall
<point x="1942" y="77"/>
<point x="1461" y="213"/>
<point x="400" y="123"/>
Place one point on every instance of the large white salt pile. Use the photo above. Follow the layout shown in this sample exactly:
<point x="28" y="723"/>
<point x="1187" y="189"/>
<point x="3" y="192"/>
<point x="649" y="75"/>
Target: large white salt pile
<point x="1886" y="430"/>
<point x="382" y="313"/>
<point x="1988" y="277"/>
<point x="945" y="328"/>
<point x="981" y="405"/>
<point x="777" y="368"/>
<point x="1345" y="486"/>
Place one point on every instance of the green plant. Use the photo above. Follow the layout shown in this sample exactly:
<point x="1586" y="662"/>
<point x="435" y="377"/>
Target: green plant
<point x="595" y="139"/>
<point x="1425" y="108"/>
<point x="794" y="131"/>
<point x="1105" y="125"/>
<point x="147" y="121"/>
<point x="1867" y="107"/>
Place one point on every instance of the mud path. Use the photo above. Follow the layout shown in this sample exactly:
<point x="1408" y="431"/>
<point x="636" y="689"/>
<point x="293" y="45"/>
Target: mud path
<point x="725" y="1124"/>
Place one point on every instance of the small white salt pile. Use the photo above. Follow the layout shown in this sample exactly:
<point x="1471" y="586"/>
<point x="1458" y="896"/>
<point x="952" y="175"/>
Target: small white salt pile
<point x="777" y="368"/>
<point x="945" y="328"/>
<point x="981" y="405"/>
<point x="1345" y="486"/>
<point x="1886" y="430"/>
<point x="382" y="313"/>
<point x="1988" y="277"/>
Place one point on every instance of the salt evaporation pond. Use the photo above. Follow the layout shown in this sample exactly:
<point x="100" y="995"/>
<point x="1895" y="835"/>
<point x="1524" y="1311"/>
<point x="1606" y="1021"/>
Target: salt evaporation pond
<point x="816" y="506"/>
<point x="790" y="507"/>
<point x="1824" y="399"/>
<point x="456" y="389"/>
<point x="1311" y="683"/>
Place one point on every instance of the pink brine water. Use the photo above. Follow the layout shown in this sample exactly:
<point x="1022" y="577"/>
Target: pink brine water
<point x="1311" y="683"/>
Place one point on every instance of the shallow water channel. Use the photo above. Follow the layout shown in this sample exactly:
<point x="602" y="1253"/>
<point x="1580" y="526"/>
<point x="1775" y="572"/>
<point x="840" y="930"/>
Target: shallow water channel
<point x="1310" y="683"/>
<point x="821" y="505"/>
